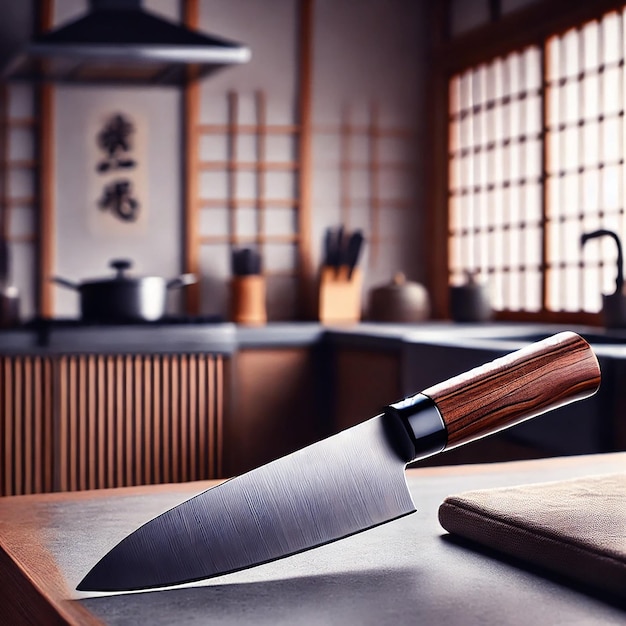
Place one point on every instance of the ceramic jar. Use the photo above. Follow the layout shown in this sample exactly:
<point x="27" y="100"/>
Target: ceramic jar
<point x="399" y="301"/>
<point x="470" y="302"/>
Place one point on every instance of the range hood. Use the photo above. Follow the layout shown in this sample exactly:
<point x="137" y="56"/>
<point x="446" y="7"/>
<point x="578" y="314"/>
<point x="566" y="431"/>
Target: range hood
<point x="117" y="42"/>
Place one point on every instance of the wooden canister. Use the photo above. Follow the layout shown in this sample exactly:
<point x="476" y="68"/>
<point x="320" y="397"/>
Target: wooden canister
<point x="248" y="300"/>
<point x="340" y="295"/>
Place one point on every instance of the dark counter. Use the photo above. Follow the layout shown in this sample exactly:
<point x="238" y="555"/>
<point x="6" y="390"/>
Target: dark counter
<point x="121" y="339"/>
<point x="226" y="338"/>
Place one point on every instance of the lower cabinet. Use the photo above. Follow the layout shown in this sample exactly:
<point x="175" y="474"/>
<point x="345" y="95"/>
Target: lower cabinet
<point x="75" y="422"/>
<point x="277" y="406"/>
<point x="365" y="381"/>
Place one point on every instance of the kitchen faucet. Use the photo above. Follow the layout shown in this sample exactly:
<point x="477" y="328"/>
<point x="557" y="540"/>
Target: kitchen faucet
<point x="613" y="305"/>
<point x="585" y="237"/>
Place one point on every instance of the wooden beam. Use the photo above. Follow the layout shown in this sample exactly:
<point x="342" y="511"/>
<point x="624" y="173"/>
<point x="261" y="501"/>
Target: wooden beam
<point x="305" y="173"/>
<point x="545" y="194"/>
<point x="47" y="206"/>
<point x="4" y="158"/>
<point x="517" y="30"/>
<point x="191" y="139"/>
<point x="435" y="241"/>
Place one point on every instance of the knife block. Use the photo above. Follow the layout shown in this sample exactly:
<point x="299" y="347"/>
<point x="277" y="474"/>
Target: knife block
<point x="339" y="296"/>
<point x="248" y="300"/>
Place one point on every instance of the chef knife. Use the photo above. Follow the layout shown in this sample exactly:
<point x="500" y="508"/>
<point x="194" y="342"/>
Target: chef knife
<point x="349" y="482"/>
<point x="353" y="250"/>
<point x="340" y="245"/>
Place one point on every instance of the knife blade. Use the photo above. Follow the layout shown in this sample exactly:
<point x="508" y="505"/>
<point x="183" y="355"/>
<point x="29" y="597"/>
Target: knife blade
<point x="347" y="483"/>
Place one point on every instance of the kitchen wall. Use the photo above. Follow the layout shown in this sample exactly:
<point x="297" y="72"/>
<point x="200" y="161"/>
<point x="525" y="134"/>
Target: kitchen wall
<point x="368" y="54"/>
<point x="87" y="237"/>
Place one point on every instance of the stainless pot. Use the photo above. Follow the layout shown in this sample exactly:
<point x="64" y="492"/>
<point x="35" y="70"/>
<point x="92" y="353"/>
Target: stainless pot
<point x="122" y="297"/>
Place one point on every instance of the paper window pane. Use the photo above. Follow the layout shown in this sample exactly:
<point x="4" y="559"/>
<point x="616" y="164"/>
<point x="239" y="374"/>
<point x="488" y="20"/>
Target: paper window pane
<point x="279" y="258"/>
<point x="214" y="222"/>
<point x="214" y="148"/>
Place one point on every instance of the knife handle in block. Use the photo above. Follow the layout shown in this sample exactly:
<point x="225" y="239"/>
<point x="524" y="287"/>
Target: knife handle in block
<point x="538" y="378"/>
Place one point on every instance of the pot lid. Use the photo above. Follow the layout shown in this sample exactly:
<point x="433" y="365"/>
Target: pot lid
<point x="121" y="267"/>
<point x="117" y="42"/>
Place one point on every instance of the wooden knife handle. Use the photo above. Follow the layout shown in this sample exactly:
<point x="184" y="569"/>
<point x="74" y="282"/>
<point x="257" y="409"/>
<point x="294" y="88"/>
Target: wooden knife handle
<point x="535" y="379"/>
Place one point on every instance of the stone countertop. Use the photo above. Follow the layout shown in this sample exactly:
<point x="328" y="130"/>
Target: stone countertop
<point x="226" y="338"/>
<point x="405" y="572"/>
<point x="124" y="339"/>
<point x="496" y="336"/>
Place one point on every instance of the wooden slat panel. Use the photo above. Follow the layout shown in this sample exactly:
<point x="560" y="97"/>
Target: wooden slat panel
<point x="73" y="433"/>
<point x="27" y="440"/>
<point x="194" y="443"/>
<point x="156" y="423"/>
<point x="92" y="424"/>
<point x="86" y="422"/>
<point x="203" y="416"/>
<point x="210" y="436"/>
<point x="218" y="384"/>
<point x="118" y="446"/>
<point x="174" y="420"/>
<point x="108" y="391"/>
<point x="148" y="451"/>
<point x="7" y="405"/>
<point x="36" y="460"/>
<point x="17" y="419"/>
<point x="183" y="422"/>
<point x="136" y="418"/>
<point x="165" y="407"/>
<point x="25" y="425"/>
<point x="49" y="432"/>
<point x="99" y="472"/>
<point x="127" y="377"/>
<point x="61" y="437"/>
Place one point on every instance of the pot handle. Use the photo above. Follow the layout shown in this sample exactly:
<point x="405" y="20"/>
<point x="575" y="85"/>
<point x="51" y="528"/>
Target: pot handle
<point x="182" y="281"/>
<point x="65" y="283"/>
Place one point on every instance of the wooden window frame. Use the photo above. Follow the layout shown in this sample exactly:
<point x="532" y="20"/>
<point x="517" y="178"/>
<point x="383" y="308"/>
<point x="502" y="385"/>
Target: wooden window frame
<point x="452" y="55"/>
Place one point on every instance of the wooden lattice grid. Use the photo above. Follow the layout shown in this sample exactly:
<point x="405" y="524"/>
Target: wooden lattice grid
<point x="536" y="159"/>
<point x="240" y="182"/>
<point x="362" y="156"/>
<point x="232" y="215"/>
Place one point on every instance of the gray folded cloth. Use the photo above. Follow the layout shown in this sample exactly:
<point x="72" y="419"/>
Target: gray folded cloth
<point x="576" y="528"/>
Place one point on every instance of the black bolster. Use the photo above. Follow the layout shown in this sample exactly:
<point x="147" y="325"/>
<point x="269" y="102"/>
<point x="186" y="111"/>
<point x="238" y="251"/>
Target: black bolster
<point x="423" y="423"/>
